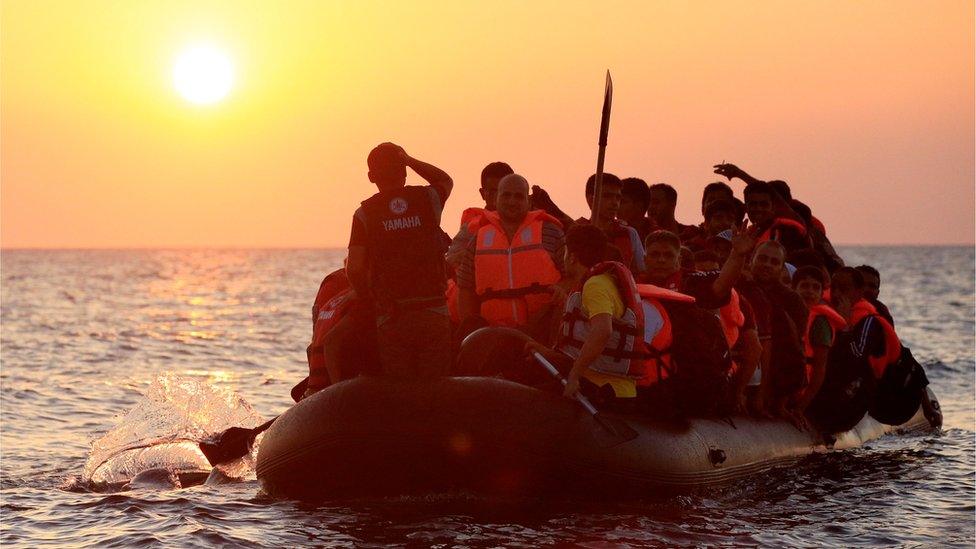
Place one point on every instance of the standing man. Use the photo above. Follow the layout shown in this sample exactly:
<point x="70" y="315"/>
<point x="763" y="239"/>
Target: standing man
<point x="396" y="256"/>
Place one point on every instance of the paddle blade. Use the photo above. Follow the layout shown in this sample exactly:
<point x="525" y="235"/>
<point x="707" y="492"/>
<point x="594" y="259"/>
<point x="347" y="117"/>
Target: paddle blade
<point x="604" y="131"/>
<point x="605" y="117"/>
<point x="618" y="429"/>
<point x="234" y="443"/>
<point x="299" y="390"/>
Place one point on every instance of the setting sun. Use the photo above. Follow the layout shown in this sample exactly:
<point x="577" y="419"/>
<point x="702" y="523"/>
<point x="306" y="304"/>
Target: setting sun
<point x="203" y="75"/>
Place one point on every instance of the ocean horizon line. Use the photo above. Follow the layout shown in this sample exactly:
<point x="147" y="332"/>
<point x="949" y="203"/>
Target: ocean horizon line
<point x="336" y="248"/>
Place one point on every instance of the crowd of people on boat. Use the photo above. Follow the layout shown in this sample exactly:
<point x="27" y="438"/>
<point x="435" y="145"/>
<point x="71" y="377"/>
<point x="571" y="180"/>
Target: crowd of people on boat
<point x="751" y="310"/>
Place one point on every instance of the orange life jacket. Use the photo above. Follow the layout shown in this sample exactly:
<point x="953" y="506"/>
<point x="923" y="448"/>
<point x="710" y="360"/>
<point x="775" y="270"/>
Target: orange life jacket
<point x="732" y="319"/>
<point x="471" y="221"/>
<point x="331" y="305"/>
<point x="861" y="309"/>
<point x="471" y="214"/>
<point x="639" y="347"/>
<point x="834" y="319"/>
<point x="332" y="284"/>
<point x="879" y="364"/>
<point x="672" y="282"/>
<point x="512" y="279"/>
<point x="779" y="224"/>
<point x="730" y="314"/>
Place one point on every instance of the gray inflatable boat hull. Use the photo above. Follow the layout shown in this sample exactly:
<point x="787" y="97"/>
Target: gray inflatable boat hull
<point x="375" y="436"/>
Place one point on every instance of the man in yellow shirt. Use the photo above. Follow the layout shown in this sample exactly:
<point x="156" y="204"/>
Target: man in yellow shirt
<point x="600" y="303"/>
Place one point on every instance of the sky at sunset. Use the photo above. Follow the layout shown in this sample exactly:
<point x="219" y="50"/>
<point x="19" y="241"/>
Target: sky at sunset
<point x="865" y="108"/>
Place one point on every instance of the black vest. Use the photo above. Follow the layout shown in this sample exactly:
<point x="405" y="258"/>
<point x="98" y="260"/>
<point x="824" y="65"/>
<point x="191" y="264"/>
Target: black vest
<point x="405" y="244"/>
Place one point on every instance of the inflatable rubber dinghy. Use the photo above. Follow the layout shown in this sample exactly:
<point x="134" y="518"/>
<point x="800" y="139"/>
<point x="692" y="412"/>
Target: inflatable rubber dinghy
<point x="375" y="436"/>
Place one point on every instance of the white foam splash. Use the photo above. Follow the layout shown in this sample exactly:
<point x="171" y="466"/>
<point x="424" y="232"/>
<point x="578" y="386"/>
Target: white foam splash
<point x="163" y="430"/>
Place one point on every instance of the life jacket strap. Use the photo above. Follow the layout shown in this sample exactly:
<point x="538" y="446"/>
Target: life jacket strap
<point x="570" y="318"/>
<point x="514" y="293"/>
<point x="619" y="353"/>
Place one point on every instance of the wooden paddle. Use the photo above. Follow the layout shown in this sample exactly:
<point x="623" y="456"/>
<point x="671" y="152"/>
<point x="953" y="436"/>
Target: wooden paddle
<point x="479" y="344"/>
<point x="604" y="131"/>
<point x="615" y="427"/>
<point x="236" y="442"/>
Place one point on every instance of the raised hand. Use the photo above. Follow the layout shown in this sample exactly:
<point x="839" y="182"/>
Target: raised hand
<point x="743" y="238"/>
<point x="401" y="153"/>
<point x="729" y="171"/>
<point x="540" y="198"/>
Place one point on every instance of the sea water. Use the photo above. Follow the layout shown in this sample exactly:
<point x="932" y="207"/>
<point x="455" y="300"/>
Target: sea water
<point x="125" y="348"/>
